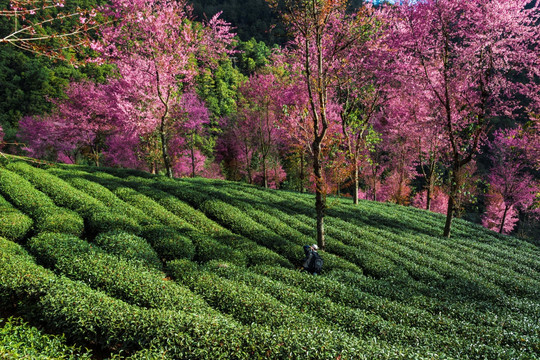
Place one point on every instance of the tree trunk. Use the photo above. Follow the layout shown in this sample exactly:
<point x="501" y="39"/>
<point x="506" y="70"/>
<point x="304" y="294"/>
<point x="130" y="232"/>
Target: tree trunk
<point x="503" y="219"/>
<point x="302" y="175"/>
<point x="320" y="196"/>
<point x="192" y="162"/>
<point x="165" y="149"/>
<point x="265" y="175"/>
<point x="429" y="190"/>
<point x="454" y="187"/>
<point x="355" y="179"/>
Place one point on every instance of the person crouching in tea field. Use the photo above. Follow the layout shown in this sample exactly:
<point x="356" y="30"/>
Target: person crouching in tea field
<point x="313" y="262"/>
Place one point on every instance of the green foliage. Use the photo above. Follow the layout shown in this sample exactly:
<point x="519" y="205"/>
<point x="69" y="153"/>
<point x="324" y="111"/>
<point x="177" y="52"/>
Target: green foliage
<point x="391" y="287"/>
<point x="169" y="243"/>
<point x="20" y="278"/>
<point x="19" y="340"/>
<point x="101" y="193"/>
<point x="122" y="278"/>
<point x="98" y="217"/>
<point x="14" y="225"/>
<point x="129" y="246"/>
<point x="47" y="216"/>
<point x="252" y="55"/>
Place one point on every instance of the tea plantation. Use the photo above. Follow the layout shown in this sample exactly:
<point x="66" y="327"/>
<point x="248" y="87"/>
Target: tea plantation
<point x="110" y="264"/>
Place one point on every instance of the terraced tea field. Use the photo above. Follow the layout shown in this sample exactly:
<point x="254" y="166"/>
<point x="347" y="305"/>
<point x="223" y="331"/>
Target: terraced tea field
<point x="131" y="265"/>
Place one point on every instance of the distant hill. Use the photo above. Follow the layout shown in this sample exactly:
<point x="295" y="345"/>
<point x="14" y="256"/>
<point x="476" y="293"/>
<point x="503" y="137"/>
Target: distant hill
<point x="123" y="262"/>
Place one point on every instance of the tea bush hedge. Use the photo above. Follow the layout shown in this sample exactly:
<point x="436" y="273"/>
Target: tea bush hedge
<point x="14" y="224"/>
<point x="19" y="340"/>
<point x="168" y="243"/>
<point x="112" y="202"/>
<point x="121" y="278"/>
<point x="98" y="217"/>
<point x="46" y="215"/>
<point x="302" y="334"/>
<point x="129" y="246"/>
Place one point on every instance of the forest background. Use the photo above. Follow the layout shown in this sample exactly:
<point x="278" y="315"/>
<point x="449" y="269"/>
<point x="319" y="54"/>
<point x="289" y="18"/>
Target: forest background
<point x="232" y="122"/>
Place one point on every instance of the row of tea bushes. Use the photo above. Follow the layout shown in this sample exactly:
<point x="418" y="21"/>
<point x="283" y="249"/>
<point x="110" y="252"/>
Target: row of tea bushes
<point x="411" y="253"/>
<point x="14" y="224"/>
<point x="467" y="318"/>
<point x="368" y="261"/>
<point x="76" y="178"/>
<point x="156" y="191"/>
<point x="495" y="338"/>
<point x="264" y="215"/>
<point x="353" y="320"/>
<point x="176" y="238"/>
<point x="168" y="240"/>
<point x="443" y="258"/>
<point x="19" y="340"/>
<point x="46" y="215"/>
<point x="92" y="317"/>
<point x="301" y="334"/>
<point x="119" y="277"/>
<point x="489" y="246"/>
<point x="235" y="220"/>
<point x="97" y="216"/>
<point x="133" y="247"/>
<point x="254" y="253"/>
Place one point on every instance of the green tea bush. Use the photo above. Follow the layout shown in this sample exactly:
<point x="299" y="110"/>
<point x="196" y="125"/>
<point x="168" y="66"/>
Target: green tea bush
<point x="98" y="217"/>
<point x="21" y="279"/>
<point x="91" y="316"/>
<point x="47" y="216"/>
<point x="101" y="193"/>
<point x="19" y="340"/>
<point x="355" y="321"/>
<point x="105" y="221"/>
<point x="62" y="194"/>
<point x="168" y="242"/>
<point x="14" y="224"/>
<point x="233" y="219"/>
<point x="150" y="207"/>
<point x="129" y="246"/>
<point x="124" y="279"/>
<point x="178" y="207"/>
<point x="301" y="333"/>
<point x="266" y="215"/>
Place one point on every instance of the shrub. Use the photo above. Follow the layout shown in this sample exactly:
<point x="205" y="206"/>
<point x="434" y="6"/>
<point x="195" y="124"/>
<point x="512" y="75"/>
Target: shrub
<point x="21" y="280"/>
<point x="127" y="280"/>
<point x="129" y="246"/>
<point x="47" y="216"/>
<point x="301" y="334"/>
<point x="101" y="193"/>
<point x="99" y="218"/>
<point x="19" y="340"/>
<point x="14" y="225"/>
<point x="168" y="242"/>
<point x="105" y="221"/>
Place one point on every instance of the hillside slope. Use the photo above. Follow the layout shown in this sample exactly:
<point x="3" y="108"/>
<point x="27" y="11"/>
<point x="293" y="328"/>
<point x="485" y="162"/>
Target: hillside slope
<point x="146" y="267"/>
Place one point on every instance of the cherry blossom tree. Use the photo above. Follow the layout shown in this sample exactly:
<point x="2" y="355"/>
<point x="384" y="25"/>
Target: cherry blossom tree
<point x="439" y="200"/>
<point x="78" y="126"/>
<point x="359" y="89"/>
<point x="262" y="112"/>
<point x="319" y="55"/>
<point x="512" y="187"/>
<point x="499" y="216"/>
<point x="157" y="49"/>
<point x="466" y="54"/>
